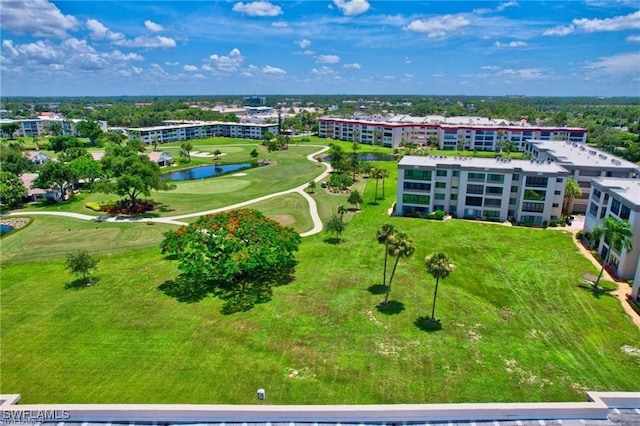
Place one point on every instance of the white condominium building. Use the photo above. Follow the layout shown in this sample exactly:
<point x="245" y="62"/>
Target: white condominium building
<point x="530" y="192"/>
<point x="620" y="199"/>
<point x="583" y="164"/>
<point x="37" y="127"/>
<point x="174" y="131"/>
<point x="452" y="133"/>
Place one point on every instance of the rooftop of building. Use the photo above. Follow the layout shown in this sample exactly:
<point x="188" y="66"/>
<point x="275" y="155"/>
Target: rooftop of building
<point x="179" y="124"/>
<point x="626" y="189"/>
<point x="474" y="163"/>
<point x="579" y="154"/>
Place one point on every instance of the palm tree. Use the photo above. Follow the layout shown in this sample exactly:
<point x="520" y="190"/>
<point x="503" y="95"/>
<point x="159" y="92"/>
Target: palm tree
<point x="341" y="211"/>
<point x="376" y="173"/>
<point x="571" y="191"/>
<point x="383" y="235"/>
<point x="439" y="266"/>
<point x="400" y="245"/>
<point x="383" y="174"/>
<point x="355" y="198"/>
<point x="618" y="235"/>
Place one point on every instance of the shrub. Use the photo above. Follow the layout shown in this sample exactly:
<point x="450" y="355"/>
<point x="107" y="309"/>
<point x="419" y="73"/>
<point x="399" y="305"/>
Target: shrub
<point x="545" y="224"/>
<point x="579" y="235"/>
<point x="92" y="205"/>
<point x="438" y="214"/>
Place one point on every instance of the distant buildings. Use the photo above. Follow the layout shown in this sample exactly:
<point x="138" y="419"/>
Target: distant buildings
<point x="449" y="133"/>
<point x="254" y="101"/>
<point x="175" y="131"/>
<point x="42" y="126"/>
<point x="529" y="192"/>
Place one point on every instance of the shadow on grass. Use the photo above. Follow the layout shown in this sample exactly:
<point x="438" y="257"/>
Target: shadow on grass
<point x="392" y="307"/>
<point x="596" y="292"/>
<point x="163" y="208"/>
<point x="80" y="283"/>
<point x="184" y="290"/>
<point x="332" y="240"/>
<point x="427" y="324"/>
<point x="377" y="289"/>
<point x="373" y="203"/>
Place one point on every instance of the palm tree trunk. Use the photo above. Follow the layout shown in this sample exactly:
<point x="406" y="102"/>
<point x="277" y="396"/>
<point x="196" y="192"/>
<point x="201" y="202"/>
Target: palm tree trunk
<point x="393" y="272"/>
<point x="435" y="294"/>
<point x="604" y="263"/>
<point x="383" y="188"/>
<point x="375" y="197"/>
<point x="384" y="272"/>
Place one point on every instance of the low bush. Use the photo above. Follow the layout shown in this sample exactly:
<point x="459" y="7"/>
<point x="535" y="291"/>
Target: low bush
<point x="92" y="205"/>
<point x="124" y="207"/>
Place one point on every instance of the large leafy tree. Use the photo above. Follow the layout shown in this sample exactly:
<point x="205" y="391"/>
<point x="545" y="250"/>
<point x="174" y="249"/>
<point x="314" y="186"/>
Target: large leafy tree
<point x="10" y="128"/>
<point x="240" y="251"/>
<point x="572" y="190"/>
<point x="439" y="266"/>
<point x="89" y="129"/>
<point x="383" y="236"/>
<point x="86" y="168"/>
<point x="618" y="235"/>
<point x="12" y="191"/>
<point x="399" y="246"/>
<point x="62" y="143"/>
<point x="57" y="175"/>
<point x="13" y="160"/>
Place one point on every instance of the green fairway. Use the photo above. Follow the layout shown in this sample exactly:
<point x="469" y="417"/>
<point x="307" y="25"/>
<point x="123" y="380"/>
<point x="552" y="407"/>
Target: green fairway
<point x="517" y="325"/>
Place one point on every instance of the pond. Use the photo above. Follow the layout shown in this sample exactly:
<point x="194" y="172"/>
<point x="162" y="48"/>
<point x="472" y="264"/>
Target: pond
<point x="5" y="229"/>
<point x="203" y="172"/>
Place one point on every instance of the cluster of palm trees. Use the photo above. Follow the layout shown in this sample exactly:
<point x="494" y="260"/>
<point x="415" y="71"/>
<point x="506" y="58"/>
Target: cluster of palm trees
<point x="399" y="245"/>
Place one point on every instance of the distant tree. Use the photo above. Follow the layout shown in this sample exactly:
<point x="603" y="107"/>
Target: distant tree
<point x="72" y="153"/>
<point x="336" y="158"/>
<point x="354" y="162"/>
<point x="13" y="160"/>
<point x="355" y="198"/>
<point x="572" y="190"/>
<point x="113" y="137"/>
<point x="154" y="143"/>
<point x="254" y="153"/>
<point x="55" y="128"/>
<point x="62" y="143"/>
<point x="267" y="136"/>
<point x="10" y="128"/>
<point x="312" y="186"/>
<point x="12" y="191"/>
<point x="383" y="236"/>
<point x="342" y="210"/>
<point x="185" y="151"/>
<point x="399" y="246"/>
<point x="439" y="266"/>
<point x="383" y="175"/>
<point x="618" y="236"/>
<point x="86" y="168"/>
<point x="81" y="263"/>
<point x="217" y="153"/>
<point x="377" y="174"/>
<point x="336" y="225"/>
<point x="89" y="129"/>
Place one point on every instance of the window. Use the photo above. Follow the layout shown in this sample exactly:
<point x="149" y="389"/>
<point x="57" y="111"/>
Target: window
<point x="417" y="174"/>
<point x="603" y="212"/>
<point x="417" y="186"/>
<point x="596" y="194"/>
<point x="415" y="199"/>
<point x="555" y="205"/>
<point x="532" y="207"/>
<point x="615" y="206"/>
<point x="559" y="180"/>
<point x="475" y="189"/>
<point x="473" y="201"/>
<point x="514" y="189"/>
<point x="441" y="173"/>
<point x="440" y="196"/>
<point x="513" y="200"/>
<point x="593" y="209"/>
<point x="516" y="176"/>
<point x="441" y="184"/>
<point x="491" y="214"/>
<point x="476" y="176"/>
<point x="456" y="173"/>
<point x="557" y="192"/>
<point x="454" y="197"/>
<point x="493" y="190"/>
<point x="535" y="195"/>
<point x="495" y="178"/>
<point x="625" y="212"/>
<point x="537" y="181"/>
<point x="492" y="202"/>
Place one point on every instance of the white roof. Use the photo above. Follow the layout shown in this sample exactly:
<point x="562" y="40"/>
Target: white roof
<point x="506" y="165"/>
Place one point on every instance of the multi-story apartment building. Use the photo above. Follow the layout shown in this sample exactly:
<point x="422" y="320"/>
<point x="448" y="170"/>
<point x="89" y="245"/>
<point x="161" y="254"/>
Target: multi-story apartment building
<point x="530" y="192"/>
<point x="174" y="131"/>
<point x="38" y="127"/>
<point x="452" y="133"/>
<point x="583" y="164"/>
<point x="620" y="199"/>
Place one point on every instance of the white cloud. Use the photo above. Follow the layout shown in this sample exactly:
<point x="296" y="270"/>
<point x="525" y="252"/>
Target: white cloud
<point x="99" y="31"/>
<point x="309" y="52"/>
<point x="490" y="67"/>
<point x="633" y="38"/>
<point x="37" y="17"/>
<point x="506" y="5"/>
<point x="622" y="64"/>
<point x="172" y="64"/>
<point x="279" y="24"/>
<point x="268" y="69"/>
<point x="438" y="75"/>
<point x="352" y="7"/>
<point x="524" y="73"/>
<point x="354" y="66"/>
<point x="511" y="44"/>
<point x="327" y="59"/>
<point x="618" y="23"/>
<point x="225" y="64"/>
<point x="152" y="26"/>
<point x="440" y="26"/>
<point x="323" y="71"/>
<point x="147" y="42"/>
<point x="258" y="8"/>
<point x="407" y="60"/>
<point x="190" y="68"/>
<point x="409" y="76"/>
<point x="388" y="77"/>
<point x="304" y="43"/>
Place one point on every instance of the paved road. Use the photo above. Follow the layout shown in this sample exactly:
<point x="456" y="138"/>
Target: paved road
<point x="176" y="220"/>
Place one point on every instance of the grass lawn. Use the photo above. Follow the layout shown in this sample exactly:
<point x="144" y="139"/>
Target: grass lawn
<point x="516" y="324"/>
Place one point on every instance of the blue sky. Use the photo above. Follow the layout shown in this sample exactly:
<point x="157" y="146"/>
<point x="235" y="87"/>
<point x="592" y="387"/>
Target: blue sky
<point x="181" y="47"/>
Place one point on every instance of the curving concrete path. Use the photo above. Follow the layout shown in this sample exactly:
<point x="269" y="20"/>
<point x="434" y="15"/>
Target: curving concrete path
<point x="175" y="220"/>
